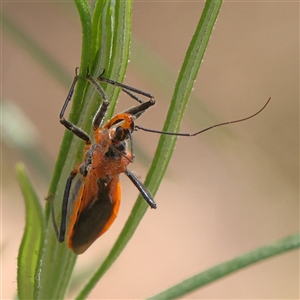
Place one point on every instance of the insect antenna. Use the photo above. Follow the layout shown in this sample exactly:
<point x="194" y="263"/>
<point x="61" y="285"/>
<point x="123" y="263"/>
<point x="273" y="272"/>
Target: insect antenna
<point x="137" y="127"/>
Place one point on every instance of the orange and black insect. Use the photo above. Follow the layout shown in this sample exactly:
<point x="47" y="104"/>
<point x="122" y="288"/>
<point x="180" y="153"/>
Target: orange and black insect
<point x="93" y="191"/>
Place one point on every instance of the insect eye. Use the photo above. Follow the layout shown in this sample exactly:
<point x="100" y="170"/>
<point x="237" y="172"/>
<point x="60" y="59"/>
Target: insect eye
<point x="120" y="134"/>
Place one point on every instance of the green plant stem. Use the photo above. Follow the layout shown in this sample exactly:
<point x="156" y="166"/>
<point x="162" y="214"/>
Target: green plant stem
<point x="56" y="261"/>
<point x="283" y="245"/>
<point x="166" y="145"/>
<point x="183" y="88"/>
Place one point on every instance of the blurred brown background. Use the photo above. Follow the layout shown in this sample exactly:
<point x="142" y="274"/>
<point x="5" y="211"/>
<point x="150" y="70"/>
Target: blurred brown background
<point x="226" y="191"/>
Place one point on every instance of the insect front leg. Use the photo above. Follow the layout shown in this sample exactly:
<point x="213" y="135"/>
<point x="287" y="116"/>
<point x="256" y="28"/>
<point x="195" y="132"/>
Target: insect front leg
<point x="127" y="89"/>
<point x="103" y="108"/>
<point x="70" y="126"/>
<point x="131" y="91"/>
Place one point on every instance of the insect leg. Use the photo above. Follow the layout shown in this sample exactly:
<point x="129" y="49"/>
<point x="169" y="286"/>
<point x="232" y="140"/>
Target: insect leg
<point x="60" y="234"/>
<point x="70" y="126"/>
<point x="129" y="90"/>
<point x="142" y="189"/>
<point x="103" y="108"/>
<point x="69" y="96"/>
<point x="64" y="210"/>
<point x="136" y="111"/>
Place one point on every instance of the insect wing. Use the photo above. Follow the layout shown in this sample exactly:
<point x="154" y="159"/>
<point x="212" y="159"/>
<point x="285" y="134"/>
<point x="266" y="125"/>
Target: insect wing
<point x="94" y="211"/>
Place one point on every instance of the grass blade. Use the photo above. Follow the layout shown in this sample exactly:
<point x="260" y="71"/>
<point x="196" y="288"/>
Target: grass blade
<point x="182" y="92"/>
<point x="57" y="261"/>
<point x="166" y="145"/>
<point x="283" y="245"/>
<point x="117" y="68"/>
<point x="32" y="238"/>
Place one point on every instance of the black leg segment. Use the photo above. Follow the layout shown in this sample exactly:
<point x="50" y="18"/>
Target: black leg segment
<point x="103" y="108"/>
<point x="63" y="224"/>
<point x="142" y="189"/>
<point x="70" y="126"/>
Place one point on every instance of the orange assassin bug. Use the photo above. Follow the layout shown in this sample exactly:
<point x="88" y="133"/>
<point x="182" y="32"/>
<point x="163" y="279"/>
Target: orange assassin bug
<point x="93" y="191"/>
<point x="95" y="194"/>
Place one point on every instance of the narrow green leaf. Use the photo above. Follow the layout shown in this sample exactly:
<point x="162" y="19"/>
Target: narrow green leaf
<point x="183" y="88"/>
<point x="57" y="262"/>
<point x="120" y="49"/>
<point x="116" y="70"/>
<point x="83" y="9"/>
<point x="159" y="72"/>
<point x="101" y="41"/>
<point x="101" y="48"/>
<point x="33" y="234"/>
<point x="166" y="145"/>
<point x="283" y="245"/>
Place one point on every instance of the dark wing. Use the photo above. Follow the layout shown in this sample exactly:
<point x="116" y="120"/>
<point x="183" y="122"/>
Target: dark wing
<point x="92" y="218"/>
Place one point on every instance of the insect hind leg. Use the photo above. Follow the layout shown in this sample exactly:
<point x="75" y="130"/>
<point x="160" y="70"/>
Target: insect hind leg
<point x="60" y="233"/>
